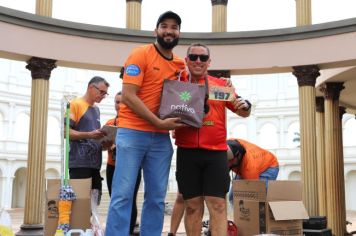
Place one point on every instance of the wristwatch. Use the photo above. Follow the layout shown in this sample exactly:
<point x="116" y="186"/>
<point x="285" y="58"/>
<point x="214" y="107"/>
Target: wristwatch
<point x="248" y="103"/>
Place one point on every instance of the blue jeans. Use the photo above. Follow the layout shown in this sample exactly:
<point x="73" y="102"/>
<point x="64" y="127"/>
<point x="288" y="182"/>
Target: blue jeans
<point x="153" y="152"/>
<point x="269" y="174"/>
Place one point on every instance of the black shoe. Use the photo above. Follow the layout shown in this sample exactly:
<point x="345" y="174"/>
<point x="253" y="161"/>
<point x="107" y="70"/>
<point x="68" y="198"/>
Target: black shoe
<point x="170" y="234"/>
<point x="136" y="231"/>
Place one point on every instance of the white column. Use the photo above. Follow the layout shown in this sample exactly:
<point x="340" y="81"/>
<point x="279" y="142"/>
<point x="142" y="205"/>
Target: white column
<point x="7" y="194"/>
<point x="11" y="119"/>
<point x="282" y="137"/>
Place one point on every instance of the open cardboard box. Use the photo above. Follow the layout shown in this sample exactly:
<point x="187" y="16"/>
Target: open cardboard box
<point x="277" y="210"/>
<point x="81" y="208"/>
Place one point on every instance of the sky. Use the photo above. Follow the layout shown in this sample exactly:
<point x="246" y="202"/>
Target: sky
<point x="243" y="15"/>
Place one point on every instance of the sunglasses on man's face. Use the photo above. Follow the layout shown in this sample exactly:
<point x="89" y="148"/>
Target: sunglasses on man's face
<point x="202" y="57"/>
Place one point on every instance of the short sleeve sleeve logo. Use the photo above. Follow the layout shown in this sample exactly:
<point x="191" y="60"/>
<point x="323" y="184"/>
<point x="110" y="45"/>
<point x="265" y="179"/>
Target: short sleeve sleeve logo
<point x="132" y="70"/>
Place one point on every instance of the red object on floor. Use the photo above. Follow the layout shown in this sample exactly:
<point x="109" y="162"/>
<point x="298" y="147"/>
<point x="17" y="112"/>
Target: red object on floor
<point x="231" y="228"/>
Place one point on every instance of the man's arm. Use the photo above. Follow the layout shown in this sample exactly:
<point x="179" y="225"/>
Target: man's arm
<point x="78" y="135"/>
<point x="130" y="98"/>
<point x="242" y="107"/>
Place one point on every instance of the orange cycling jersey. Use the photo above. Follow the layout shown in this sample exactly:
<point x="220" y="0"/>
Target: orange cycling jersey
<point x="113" y="121"/>
<point x="147" y="69"/>
<point x="255" y="161"/>
<point x="212" y="135"/>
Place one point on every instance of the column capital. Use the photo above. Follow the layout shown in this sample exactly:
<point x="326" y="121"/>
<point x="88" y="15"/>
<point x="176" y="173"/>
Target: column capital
<point x="40" y="67"/>
<point x="319" y="104"/>
<point x="306" y="75"/>
<point x="332" y="90"/>
<point x="219" y="73"/>
<point x="139" y="1"/>
<point x="219" y="2"/>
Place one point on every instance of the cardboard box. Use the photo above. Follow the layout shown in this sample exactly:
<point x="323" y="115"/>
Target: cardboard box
<point x="279" y="210"/>
<point x="81" y="208"/>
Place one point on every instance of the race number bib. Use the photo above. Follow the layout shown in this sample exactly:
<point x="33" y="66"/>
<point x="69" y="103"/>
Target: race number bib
<point x="221" y="93"/>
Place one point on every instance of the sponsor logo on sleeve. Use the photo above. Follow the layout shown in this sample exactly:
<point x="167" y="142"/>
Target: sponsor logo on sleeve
<point x="132" y="70"/>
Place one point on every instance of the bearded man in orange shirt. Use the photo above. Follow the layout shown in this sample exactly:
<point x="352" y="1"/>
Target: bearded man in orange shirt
<point x="143" y="139"/>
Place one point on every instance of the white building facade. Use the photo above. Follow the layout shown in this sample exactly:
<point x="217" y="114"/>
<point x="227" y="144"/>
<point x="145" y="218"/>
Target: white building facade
<point x="273" y="124"/>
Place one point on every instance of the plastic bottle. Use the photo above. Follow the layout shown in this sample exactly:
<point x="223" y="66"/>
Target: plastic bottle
<point x="75" y="231"/>
<point x="59" y="232"/>
<point x="89" y="232"/>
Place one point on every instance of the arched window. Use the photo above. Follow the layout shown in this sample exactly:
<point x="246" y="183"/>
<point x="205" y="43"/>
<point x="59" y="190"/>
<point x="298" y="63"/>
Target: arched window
<point x="52" y="174"/>
<point x="268" y="137"/>
<point x="349" y="132"/>
<point x="19" y="188"/>
<point x="295" y="175"/>
<point x="22" y="127"/>
<point x="350" y="186"/>
<point x="293" y="136"/>
<point x="53" y="131"/>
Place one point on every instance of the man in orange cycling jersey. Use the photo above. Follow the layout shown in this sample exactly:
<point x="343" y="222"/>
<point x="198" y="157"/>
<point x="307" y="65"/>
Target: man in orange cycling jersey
<point x="142" y="139"/>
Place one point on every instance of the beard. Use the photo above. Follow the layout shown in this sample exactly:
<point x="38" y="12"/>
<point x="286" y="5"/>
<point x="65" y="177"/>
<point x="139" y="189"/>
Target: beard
<point x="167" y="45"/>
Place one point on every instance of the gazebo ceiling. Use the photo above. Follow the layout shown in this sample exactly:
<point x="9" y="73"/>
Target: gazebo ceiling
<point x="328" y="45"/>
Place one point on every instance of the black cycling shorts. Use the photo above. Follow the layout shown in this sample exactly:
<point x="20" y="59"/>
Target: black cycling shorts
<point x="202" y="172"/>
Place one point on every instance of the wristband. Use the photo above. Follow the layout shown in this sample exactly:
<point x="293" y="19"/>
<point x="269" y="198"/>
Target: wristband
<point x="248" y="103"/>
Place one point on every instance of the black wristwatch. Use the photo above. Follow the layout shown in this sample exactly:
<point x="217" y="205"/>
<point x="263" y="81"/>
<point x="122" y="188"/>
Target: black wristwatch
<point x="248" y="103"/>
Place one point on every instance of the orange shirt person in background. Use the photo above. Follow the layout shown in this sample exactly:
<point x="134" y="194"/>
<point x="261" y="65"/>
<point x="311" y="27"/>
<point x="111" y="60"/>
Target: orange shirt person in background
<point x="254" y="160"/>
<point x="110" y="166"/>
<point x="250" y="161"/>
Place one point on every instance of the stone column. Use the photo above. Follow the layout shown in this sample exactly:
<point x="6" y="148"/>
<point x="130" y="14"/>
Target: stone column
<point x="44" y="8"/>
<point x="219" y="15"/>
<point x="303" y="12"/>
<point x="33" y="216"/>
<point x="320" y="153"/>
<point x="133" y="14"/>
<point x="306" y="76"/>
<point x="334" y="159"/>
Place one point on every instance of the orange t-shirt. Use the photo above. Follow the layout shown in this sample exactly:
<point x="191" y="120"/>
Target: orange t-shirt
<point x="147" y="68"/>
<point x="255" y="161"/>
<point x="111" y="122"/>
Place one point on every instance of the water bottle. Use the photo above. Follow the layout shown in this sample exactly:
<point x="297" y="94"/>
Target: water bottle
<point x="88" y="232"/>
<point x="75" y="231"/>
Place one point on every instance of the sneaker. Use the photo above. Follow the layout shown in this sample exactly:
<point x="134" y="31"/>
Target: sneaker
<point x="136" y="231"/>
